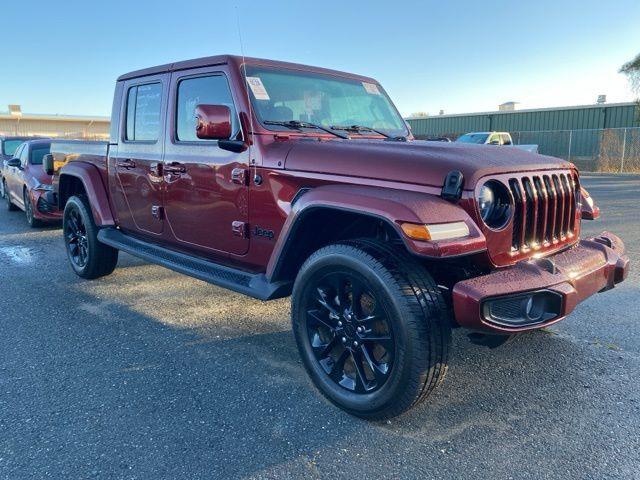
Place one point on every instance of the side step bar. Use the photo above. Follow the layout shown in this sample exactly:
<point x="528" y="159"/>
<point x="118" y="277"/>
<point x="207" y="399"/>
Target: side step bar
<point x="254" y="285"/>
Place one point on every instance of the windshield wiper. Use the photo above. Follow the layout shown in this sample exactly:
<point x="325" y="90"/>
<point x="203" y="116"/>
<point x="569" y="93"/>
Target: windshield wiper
<point x="362" y="128"/>
<point x="295" y="124"/>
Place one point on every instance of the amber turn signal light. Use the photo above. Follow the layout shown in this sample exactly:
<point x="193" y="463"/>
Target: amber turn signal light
<point x="416" y="231"/>
<point x="440" y="231"/>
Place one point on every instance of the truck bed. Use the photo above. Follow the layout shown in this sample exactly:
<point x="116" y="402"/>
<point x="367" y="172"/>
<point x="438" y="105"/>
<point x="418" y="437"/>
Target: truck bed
<point x="91" y="151"/>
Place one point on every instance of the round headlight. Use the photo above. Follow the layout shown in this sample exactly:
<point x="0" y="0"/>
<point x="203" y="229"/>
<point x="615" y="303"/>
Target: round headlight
<point x="494" y="203"/>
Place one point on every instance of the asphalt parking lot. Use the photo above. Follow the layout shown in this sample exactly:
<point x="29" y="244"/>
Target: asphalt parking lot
<point x="151" y="374"/>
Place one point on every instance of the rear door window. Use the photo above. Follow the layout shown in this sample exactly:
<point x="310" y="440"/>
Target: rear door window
<point x="144" y="103"/>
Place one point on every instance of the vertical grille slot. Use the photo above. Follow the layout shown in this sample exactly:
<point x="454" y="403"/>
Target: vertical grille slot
<point x="553" y="207"/>
<point x="519" y="214"/>
<point x="569" y="201"/>
<point x="530" y="225"/>
<point x="543" y="210"/>
<point x="559" y="214"/>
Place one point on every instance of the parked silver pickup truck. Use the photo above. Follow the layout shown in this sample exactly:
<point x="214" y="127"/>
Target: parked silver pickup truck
<point x="494" y="138"/>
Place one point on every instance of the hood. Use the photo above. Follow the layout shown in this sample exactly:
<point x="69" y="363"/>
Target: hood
<point x="418" y="162"/>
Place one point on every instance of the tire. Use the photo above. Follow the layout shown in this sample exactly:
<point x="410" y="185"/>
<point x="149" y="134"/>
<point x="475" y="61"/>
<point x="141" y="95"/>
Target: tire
<point x="7" y="198"/>
<point x="88" y="257"/>
<point x="28" y="211"/>
<point x="2" y="189"/>
<point x="397" y="330"/>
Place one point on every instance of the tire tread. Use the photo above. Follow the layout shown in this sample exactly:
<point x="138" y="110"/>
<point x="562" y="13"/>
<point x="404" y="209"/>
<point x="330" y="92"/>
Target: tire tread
<point x="427" y="316"/>
<point x="103" y="258"/>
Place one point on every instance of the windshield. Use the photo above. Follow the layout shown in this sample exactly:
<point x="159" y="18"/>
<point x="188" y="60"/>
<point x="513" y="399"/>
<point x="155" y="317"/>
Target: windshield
<point x="10" y="146"/>
<point x="473" y="138"/>
<point x="38" y="153"/>
<point x="288" y="95"/>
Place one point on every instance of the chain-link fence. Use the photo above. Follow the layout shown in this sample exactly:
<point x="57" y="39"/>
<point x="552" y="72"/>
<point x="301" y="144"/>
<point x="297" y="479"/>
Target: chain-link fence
<point x="612" y="150"/>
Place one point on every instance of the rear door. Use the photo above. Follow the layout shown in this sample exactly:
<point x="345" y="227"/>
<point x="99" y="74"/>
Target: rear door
<point x="135" y="165"/>
<point x="206" y="188"/>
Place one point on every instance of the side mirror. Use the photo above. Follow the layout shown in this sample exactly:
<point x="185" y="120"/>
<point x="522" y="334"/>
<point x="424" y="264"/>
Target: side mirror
<point x="47" y="164"/>
<point x="213" y="122"/>
<point x="14" y="162"/>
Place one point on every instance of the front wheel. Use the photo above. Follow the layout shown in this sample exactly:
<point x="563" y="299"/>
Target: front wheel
<point x="371" y="327"/>
<point x="88" y="257"/>
<point x="28" y="211"/>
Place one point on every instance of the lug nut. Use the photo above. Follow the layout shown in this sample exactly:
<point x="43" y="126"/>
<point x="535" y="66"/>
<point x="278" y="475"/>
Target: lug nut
<point x="344" y="339"/>
<point x="339" y="324"/>
<point x="359" y="329"/>
<point x="355" y="344"/>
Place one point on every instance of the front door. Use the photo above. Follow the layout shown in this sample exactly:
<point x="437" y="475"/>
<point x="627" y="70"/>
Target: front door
<point x="206" y="192"/>
<point x="14" y="176"/>
<point x="136" y="163"/>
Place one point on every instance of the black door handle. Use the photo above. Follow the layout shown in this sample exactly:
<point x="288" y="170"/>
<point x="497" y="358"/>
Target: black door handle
<point x="175" y="168"/>
<point x="126" y="164"/>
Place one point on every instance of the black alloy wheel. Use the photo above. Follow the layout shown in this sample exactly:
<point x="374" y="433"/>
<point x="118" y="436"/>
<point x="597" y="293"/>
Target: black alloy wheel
<point x="88" y="257"/>
<point x="75" y="234"/>
<point x="349" y="332"/>
<point x="371" y="326"/>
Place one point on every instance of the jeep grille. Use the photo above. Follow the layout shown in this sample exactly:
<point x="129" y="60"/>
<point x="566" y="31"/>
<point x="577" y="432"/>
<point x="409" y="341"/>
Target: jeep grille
<point x="545" y="210"/>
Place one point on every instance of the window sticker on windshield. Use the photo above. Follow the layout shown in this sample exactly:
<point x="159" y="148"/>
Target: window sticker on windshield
<point x="371" y="88"/>
<point x="258" y="88"/>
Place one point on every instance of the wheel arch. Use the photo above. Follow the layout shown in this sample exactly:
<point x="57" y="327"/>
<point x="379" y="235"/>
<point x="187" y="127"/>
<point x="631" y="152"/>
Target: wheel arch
<point x="303" y="238"/>
<point x="332" y="213"/>
<point x="81" y="178"/>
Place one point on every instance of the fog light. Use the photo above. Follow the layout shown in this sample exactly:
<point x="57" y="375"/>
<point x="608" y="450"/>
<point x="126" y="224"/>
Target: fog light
<point x="523" y="309"/>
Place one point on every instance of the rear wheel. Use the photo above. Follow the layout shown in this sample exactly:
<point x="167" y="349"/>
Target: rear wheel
<point x="7" y="198"/>
<point x="371" y="328"/>
<point x="88" y="257"/>
<point x="28" y="211"/>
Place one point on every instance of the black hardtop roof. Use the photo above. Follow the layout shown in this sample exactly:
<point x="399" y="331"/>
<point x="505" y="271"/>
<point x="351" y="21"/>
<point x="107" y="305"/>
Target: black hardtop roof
<point x="231" y="59"/>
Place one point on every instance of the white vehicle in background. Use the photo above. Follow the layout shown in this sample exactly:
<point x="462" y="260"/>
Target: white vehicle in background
<point x="494" y="138"/>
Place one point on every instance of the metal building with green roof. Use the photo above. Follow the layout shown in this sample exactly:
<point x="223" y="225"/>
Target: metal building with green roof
<point x="601" y="137"/>
<point x="582" y="117"/>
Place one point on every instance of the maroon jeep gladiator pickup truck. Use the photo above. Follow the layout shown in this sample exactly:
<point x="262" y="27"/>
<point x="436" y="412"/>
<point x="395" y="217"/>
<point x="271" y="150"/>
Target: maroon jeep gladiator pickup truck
<point x="274" y="179"/>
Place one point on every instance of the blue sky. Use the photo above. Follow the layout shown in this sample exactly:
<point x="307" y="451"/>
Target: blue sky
<point x="63" y="57"/>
